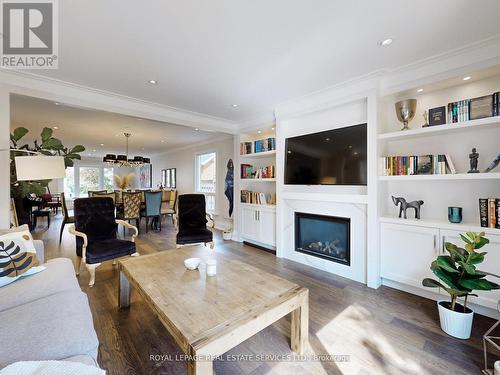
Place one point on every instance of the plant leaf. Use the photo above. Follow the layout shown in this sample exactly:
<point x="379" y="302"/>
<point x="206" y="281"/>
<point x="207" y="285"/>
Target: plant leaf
<point x="465" y="239"/>
<point x="431" y="283"/>
<point x="53" y="143"/>
<point x="76" y="149"/>
<point x="469" y="268"/>
<point x="478" y="284"/>
<point x="446" y="263"/>
<point x="476" y="258"/>
<point x="46" y="134"/>
<point x="18" y="133"/>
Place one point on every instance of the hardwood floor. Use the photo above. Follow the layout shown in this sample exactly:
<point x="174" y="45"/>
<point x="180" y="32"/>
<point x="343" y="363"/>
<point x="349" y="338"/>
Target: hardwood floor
<point x="382" y="331"/>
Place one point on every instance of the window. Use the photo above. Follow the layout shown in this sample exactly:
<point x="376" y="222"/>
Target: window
<point x="69" y="183"/>
<point x="206" y="177"/>
<point x="89" y="180"/>
<point x="108" y="180"/>
<point x="168" y="178"/>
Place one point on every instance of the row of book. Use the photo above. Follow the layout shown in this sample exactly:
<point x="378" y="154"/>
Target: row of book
<point x="413" y="165"/>
<point x="250" y="172"/>
<point x="489" y="211"/>
<point x="260" y="145"/>
<point x="255" y="197"/>
<point x="459" y="111"/>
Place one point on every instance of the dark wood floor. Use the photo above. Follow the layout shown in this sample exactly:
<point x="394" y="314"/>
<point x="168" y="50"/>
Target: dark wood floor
<point x="383" y="331"/>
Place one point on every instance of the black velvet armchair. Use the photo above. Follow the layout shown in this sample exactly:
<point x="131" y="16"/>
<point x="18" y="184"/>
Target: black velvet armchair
<point x="95" y="230"/>
<point x="192" y="221"/>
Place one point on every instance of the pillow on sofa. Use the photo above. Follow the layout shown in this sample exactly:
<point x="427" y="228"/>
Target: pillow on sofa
<point x="17" y="257"/>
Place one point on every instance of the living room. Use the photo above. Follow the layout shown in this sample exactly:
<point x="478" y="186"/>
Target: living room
<point x="318" y="195"/>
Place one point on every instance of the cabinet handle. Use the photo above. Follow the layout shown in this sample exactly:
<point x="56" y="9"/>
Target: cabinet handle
<point x="442" y="245"/>
<point x="436" y="250"/>
<point x="258" y="215"/>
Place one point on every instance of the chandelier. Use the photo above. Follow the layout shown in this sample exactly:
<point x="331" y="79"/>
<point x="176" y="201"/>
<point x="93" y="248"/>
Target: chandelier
<point x="123" y="160"/>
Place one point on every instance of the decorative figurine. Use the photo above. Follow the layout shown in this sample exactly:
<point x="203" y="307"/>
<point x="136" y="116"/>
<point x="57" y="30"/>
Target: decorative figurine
<point x="426" y="124"/>
<point x="493" y="164"/>
<point x="405" y="110"/>
<point x="474" y="158"/>
<point x="229" y="185"/>
<point x="404" y="205"/>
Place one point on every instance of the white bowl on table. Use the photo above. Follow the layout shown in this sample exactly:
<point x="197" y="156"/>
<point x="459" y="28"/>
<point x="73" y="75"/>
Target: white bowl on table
<point x="192" y="263"/>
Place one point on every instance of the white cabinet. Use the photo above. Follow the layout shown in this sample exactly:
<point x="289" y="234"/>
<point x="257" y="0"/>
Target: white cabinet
<point x="407" y="253"/>
<point x="491" y="264"/>
<point x="258" y="224"/>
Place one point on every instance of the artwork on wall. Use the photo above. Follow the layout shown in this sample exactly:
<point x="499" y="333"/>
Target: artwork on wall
<point x="169" y="178"/>
<point x="229" y="185"/>
<point x="145" y="176"/>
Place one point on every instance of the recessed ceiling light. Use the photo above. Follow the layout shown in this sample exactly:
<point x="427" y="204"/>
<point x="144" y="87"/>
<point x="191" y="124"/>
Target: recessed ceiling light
<point x="235" y="105"/>
<point x="162" y="141"/>
<point x="260" y="131"/>
<point x="420" y="90"/>
<point x="94" y="150"/>
<point x="467" y="78"/>
<point x="386" y="42"/>
<point x="102" y="144"/>
<point x="57" y="103"/>
<point x="153" y="81"/>
<point x="272" y="128"/>
<point x="55" y="127"/>
<point x="196" y="129"/>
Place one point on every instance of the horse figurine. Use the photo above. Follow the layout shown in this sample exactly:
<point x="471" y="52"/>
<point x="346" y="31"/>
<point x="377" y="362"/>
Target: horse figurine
<point x="404" y="205"/>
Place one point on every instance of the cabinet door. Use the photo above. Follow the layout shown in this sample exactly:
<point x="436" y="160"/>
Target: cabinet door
<point x="249" y="224"/>
<point x="267" y="223"/>
<point x="491" y="264"/>
<point x="407" y="253"/>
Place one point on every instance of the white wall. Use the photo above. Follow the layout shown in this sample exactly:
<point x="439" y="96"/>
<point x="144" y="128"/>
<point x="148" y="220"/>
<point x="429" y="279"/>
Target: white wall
<point x="184" y="161"/>
<point x="4" y="158"/>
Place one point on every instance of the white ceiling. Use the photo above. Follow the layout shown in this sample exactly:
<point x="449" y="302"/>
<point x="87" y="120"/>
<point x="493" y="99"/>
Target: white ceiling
<point x="92" y="128"/>
<point x="208" y="55"/>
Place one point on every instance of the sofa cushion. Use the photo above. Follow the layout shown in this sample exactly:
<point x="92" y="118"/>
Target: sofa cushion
<point x="17" y="258"/>
<point x="59" y="276"/>
<point x="52" y="328"/>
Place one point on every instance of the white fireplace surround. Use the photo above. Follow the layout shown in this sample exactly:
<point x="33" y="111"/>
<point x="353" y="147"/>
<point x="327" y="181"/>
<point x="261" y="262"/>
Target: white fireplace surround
<point x="354" y="211"/>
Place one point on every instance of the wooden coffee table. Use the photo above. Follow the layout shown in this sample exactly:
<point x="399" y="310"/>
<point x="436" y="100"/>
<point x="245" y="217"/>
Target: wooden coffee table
<point x="207" y="316"/>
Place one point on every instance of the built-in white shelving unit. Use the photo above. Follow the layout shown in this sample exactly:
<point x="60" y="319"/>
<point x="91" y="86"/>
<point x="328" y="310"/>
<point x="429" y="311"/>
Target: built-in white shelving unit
<point x="443" y="177"/>
<point x="257" y="222"/>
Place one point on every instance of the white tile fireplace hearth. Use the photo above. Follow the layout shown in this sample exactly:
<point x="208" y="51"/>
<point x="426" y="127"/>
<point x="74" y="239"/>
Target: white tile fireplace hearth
<point x="356" y="212"/>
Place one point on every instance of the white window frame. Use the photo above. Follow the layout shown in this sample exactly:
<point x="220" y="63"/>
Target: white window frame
<point x="76" y="171"/>
<point x="197" y="179"/>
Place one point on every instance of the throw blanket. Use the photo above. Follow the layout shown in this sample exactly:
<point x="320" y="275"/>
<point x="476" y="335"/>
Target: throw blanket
<point x="50" y="368"/>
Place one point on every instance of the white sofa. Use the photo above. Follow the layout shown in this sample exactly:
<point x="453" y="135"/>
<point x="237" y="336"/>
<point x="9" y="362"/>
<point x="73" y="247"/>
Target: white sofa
<point x="46" y="316"/>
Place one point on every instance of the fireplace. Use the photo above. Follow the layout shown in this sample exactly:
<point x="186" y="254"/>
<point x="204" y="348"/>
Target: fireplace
<point x="326" y="237"/>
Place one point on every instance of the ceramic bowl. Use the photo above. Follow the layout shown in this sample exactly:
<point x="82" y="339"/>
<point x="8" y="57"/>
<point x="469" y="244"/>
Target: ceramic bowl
<point x="192" y="263"/>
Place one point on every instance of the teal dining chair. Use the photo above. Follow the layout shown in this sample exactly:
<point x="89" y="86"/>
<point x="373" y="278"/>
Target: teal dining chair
<point x="152" y="208"/>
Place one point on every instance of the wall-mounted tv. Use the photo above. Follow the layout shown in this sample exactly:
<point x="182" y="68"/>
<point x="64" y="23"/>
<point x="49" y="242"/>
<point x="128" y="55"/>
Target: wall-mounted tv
<point x="332" y="157"/>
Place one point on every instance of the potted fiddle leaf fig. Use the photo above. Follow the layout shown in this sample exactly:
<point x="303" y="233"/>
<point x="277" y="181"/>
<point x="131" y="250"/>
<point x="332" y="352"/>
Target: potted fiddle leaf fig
<point x="458" y="275"/>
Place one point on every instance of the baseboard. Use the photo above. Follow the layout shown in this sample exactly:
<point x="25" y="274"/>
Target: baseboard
<point x="260" y="247"/>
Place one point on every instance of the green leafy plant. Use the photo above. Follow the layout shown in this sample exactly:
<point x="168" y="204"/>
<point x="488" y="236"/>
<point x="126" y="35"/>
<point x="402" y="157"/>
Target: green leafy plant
<point x="458" y="270"/>
<point x="46" y="145"/>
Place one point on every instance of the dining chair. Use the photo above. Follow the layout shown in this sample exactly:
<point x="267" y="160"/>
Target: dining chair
<point x="95" y="229"/>
<point x="169" y="202"/>
<point x="103" y="194"/>
<point x="130" y="209"/>
<point x="152" y="208"/>
<point x="118" y="196"/>
<point x="67" y="219"/>
<point x="192" y="221"/>
<point x="91" y="193"/>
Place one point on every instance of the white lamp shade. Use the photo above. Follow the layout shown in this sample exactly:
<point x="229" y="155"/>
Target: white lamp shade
<point x="33" y="168"/>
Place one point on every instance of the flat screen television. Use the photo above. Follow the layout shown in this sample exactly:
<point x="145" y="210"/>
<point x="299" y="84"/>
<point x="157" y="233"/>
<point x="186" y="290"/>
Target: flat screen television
<point x="332" y="157"/>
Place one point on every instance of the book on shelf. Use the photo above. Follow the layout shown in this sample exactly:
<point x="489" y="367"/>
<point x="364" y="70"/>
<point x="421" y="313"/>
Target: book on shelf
<point x="459" y="111"/>
<point x="489" y="212"/>
<point x="254" y="197"/>
<point x="416" y="165"/>
<point x="250" y="172"/>
<point x="260" y="145"/>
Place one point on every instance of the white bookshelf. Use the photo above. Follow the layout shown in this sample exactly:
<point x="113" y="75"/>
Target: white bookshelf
<point x="443" y="177"/>
<point x="251" y="180"/>
<point x="256" y="155"/>
<point x="442" y="130"/>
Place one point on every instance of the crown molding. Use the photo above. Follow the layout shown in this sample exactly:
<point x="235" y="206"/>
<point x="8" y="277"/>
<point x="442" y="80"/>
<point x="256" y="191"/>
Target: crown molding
<point x="30" y="84"/>
<point x="263" y="120"/>
<point x="193" y="145"/>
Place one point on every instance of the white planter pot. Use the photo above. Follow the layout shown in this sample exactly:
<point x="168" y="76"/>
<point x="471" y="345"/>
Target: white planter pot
<point x="227" y="234"/>
<point x="454" y="323"/>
